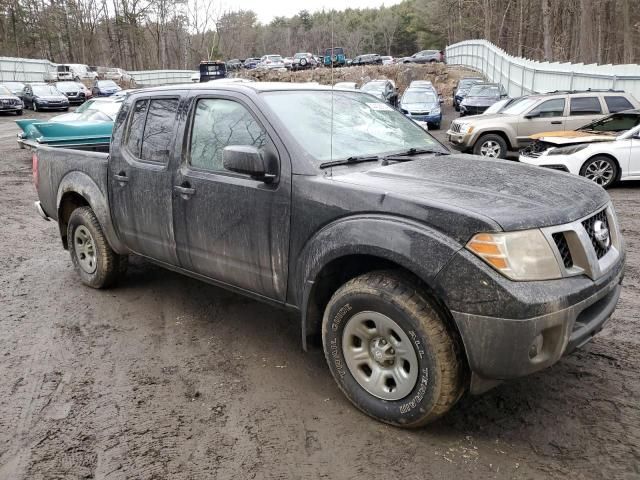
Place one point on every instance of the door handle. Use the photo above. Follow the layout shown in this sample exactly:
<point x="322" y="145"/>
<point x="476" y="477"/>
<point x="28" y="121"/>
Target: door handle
<point x="556" y="122"/>
<point x="121" y="177"/>
<point x="185" y="190"/>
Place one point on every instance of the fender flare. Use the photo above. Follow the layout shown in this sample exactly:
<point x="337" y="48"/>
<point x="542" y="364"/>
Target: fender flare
<point x="82" y="184"/>
<point x="414" y="246"/>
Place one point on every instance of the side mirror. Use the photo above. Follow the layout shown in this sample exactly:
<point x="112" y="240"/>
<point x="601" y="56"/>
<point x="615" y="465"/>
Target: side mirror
<point x="441" y="100"/>
<point x="247" y="160"/>
<point x="531" y="115"/>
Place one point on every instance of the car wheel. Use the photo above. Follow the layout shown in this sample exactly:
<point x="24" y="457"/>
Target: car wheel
<point x="434" y="126"/>
<point x="35" y="106"/>
<point x="18" y="112"/>
<point x="66" y="109"/>
<point x="601" y="170"/>
<point x="492" y="146"/>
<point x="303" y="62"/>
<point x="93" y="259"/>
<point x="456" y="107"/>
<point x="391" y="351"/>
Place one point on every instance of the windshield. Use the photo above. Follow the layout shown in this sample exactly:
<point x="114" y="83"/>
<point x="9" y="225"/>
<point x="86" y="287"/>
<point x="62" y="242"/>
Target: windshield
<point x="484" y="91"/>
<point x="618" y="122"/>
<point x="361" y="126"/>
<point x="416" y="96"/>
<point x="496" y="107"/>
<point x="67" y="85"/>
<point x="5" y="91"/>
<point x="274" y="58"/>
<point x="107" y="83"/>
<point x="300" y="55"/>
<point x="520" y="106"/>
<point x="14" y="85"/>
<point x="45" y="90"/>
<point x="336" y="51"/>
<point x="469" y="82"/>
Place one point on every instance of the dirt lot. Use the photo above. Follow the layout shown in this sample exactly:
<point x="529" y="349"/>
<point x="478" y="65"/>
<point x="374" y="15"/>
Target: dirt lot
<point x="167" y="377"/>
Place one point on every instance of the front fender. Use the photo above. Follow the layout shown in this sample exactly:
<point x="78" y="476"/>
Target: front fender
<point x="82" y="184"/>
<point x="407" y="243"/>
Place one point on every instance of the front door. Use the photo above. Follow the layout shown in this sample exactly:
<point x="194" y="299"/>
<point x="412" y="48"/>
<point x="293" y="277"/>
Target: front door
<point x="230" y="227"/>
<point x="140" y="177"/>
<point x="547" y="116"/>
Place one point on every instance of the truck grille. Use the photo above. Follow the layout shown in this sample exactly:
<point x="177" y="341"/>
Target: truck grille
<point x="589" y="225"/>
<point x="455" y="127"/>
<point x="563" y="248"/>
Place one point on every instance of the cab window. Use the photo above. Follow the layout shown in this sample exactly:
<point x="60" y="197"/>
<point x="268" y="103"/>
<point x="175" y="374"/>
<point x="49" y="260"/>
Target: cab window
<point x="150" y="129"/>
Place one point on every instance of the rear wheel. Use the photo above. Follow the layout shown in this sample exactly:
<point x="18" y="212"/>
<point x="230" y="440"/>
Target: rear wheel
<point x="95" y="262"/>
<point x="491" y="145"/>
<point x="390" y="350"/>
<point x="601" y="170"/>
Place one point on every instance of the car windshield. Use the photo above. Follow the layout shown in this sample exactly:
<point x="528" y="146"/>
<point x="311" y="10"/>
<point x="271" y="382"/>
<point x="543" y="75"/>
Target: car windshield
<point x="520" y="106"/>
<point x="336" y="51"/>
<point x="362" y="125"/>
<point x="274" y="58"/>
<point x="417" y="96"/>
<point x="45" y="90"/>
<point x="496" y="107"/>
<point x="5" y="91"/>
<point x="618" y="122"/>
<point x="106" y="83"/>
<point x="468" y="82"/>
<point x="96" y="116"/>
<point x="484" y="91"/>
<point x="14" y="85"/>
<point x="300" y="55"/>
<point x="67" y="85"/>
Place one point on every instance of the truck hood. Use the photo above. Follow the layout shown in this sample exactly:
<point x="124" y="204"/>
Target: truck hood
<point x="514" y="196"/>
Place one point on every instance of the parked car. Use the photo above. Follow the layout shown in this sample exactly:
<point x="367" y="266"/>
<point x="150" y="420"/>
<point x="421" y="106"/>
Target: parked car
<point x="603" y="151"/>
<point x="288" y="62"/>
<point x="15" y="88"/>
<point x="385" y="90"/>
<point x="368" y="59"/>
<point x="303" y="60"/>
<point x="334" y="57"/>
<point x="72" y="90"/>
<point x="10" y="102"/>
<point x="117" y="75"/>
<point x="58" y="73"/>
<point x="422" y="104"/>
<point x="347" y="85"/>
<point x="495" y="135"/>
<point x="234" y="64"/>
<point x="91" y="130"/>
<point x="387" y="60"/>
<point x="271" y="62"/>
<point x="42" y="96"/>
<point x="104" y="88"/>
<point x="462" y="88"/>
<point x="87" y="92"/>
<point x="82" y="72"/>
<point x="480" y="97"/>
<point x="425" y="56"/>
<point x="424" y="274"/>
<point x="251" y="63"/>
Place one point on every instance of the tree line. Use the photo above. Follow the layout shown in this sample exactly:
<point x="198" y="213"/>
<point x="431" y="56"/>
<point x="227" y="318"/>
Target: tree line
<point x="170" y="34"/>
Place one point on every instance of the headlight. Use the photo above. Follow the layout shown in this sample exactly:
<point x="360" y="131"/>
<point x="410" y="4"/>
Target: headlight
<point x="523" y="256"/>
<point x="465" y="128"/>
<point x="570" y="150"/>
<point x="435" y="111"/>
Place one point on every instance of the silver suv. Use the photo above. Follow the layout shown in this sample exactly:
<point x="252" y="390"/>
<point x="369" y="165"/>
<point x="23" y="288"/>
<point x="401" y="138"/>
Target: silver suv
<point x="494" y="135"/>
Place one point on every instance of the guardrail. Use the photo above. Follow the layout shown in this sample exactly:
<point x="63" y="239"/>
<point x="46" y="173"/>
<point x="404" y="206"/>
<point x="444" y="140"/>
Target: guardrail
<point x="162" y="77"/>
<point x="521" y="76"/>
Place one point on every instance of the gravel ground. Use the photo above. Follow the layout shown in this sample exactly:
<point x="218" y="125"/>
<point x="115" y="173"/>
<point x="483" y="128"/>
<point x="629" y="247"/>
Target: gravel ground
<point x="167" y="377"/>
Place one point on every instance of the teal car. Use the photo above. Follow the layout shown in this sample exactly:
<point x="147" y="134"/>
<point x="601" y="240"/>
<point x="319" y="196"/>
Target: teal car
<point x="335" y="57"/>
<point x="90" y="130"/>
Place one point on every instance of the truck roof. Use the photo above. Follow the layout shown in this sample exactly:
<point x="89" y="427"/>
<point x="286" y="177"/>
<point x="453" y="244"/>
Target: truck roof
<point x="238" y="86"/>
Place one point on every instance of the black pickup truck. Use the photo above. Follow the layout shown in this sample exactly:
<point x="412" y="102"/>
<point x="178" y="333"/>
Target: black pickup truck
<point x="424" y="274"/>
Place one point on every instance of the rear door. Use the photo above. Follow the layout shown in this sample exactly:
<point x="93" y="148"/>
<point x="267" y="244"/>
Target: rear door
<point x="583" y="110"/>
<point x="230" y="227"/>
<point x="140" y="177"/>
<point x="547" y="116"/>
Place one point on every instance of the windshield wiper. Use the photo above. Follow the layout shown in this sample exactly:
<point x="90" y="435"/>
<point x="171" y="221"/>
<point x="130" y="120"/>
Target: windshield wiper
<point x="402" y="156"/>
<point x="350" y="160"/>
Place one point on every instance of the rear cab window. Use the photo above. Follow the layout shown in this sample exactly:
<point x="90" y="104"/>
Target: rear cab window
<point x="150" y="129"/>
<point x="617" y="103"/>
<point x="585" y="106"/>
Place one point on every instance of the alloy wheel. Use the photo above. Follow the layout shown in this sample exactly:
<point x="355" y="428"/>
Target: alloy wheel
<point x="600" y="172"/>
<point x="491" y="149"/>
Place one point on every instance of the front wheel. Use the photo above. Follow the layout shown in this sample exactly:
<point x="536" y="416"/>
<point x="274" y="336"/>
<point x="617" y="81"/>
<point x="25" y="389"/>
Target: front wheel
<point x="600" y="170"/>
<point x="492" y="146"/>
<point x="93" y="259"/>
<point x="18" y="112"/>
<point x="35" y="106"/>
<point x="391" y="351"/>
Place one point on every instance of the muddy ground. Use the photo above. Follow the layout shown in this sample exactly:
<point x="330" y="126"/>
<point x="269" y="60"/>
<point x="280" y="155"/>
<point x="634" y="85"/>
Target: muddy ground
<point x="167" y="377"/>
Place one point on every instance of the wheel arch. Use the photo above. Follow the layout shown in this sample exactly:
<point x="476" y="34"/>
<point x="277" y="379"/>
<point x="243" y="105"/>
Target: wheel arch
<point x="500" y="133"/>
<point x="360" y="244"/>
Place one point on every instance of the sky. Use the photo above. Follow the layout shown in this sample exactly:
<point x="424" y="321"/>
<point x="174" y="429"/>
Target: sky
<point x="267" y="10"/>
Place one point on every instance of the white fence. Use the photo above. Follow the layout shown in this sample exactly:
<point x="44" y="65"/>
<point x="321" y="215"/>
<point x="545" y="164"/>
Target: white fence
<point x="521" y="76"/>
<point x="162" y="77"/>
<point x="24" y="69"/>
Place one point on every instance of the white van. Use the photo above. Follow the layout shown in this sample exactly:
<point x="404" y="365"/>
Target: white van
<point x="82" y="72"/>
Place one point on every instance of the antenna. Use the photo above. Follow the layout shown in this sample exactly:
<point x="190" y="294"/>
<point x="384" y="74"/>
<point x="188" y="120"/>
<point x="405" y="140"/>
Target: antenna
<point x="332" y="91"/>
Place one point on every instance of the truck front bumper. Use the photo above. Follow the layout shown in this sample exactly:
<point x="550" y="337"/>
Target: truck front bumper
<point x="501" y="348"/>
